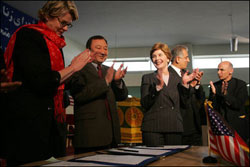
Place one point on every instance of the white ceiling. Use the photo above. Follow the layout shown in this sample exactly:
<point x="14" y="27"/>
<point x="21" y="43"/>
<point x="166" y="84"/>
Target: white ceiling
<point x="143" y="23"/>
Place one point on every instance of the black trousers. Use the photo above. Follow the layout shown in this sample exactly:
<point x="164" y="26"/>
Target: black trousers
<point x="194" y="139"/>
<point x="90" y="149"/>
<point x="158" y="139"/>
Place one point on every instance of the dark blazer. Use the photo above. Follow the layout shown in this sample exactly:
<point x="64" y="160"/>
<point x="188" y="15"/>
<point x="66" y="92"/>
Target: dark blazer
<point x="194" y="113"/>
<point x="232" y="105"/>
<point x="161" y="109"/>
<point x="29" y="115"/>
<point x="92" y="126"/>
<point x="191" y="112"/>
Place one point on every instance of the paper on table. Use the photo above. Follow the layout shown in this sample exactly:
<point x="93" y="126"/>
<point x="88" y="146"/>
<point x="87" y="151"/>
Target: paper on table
<point x="52" y="159"/>
<point x="128" y="150"/>
<point x="170" y="147"/>
<point x="68" y="163"/>
<point x="117" y="159"/>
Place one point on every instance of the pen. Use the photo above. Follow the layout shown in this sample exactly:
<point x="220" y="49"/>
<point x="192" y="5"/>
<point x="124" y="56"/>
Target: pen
<point x="127" y="150"/>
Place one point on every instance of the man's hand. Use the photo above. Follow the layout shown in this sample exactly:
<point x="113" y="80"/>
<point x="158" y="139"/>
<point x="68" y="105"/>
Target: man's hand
<point x="197" y="79"/>
<point x="187" y="78"/>
<point x="120" y="73"/>
<point x="110" y="73"/>
<point x="212" y="87"/>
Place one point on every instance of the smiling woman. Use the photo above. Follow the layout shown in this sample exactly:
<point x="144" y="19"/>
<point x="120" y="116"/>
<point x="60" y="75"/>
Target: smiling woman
<point x="162" y="94"/>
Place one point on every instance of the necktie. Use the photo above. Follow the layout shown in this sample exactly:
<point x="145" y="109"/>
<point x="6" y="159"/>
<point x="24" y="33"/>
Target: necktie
<point x="99" y="68"/>
<point x="182" y="72"/>
<point x="224" y="87"/>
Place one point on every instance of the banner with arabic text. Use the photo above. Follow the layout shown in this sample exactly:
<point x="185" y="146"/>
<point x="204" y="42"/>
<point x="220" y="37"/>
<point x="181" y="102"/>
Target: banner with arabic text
<point x="11" y="19"/>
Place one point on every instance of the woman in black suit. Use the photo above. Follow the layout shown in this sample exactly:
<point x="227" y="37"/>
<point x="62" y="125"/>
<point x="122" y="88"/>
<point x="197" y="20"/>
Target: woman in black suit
<point x="35" y="127"/>
<point x="160" y="99"/>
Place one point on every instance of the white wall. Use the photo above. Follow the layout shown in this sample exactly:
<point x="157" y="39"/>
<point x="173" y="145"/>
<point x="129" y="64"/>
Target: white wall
<point x="71" y="50"/>
<point x="134" y="78"/>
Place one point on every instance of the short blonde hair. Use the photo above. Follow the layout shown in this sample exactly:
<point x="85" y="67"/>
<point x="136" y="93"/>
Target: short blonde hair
<point x="58" y="8"/>
<point x="163" y="47"/>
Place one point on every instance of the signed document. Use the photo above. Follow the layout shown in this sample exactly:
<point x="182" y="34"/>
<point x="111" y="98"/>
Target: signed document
<point x="137" y="151"/>
<point x="68" y="163"/>
<point x="168" y="147"/>
<point x="115" y="159"/>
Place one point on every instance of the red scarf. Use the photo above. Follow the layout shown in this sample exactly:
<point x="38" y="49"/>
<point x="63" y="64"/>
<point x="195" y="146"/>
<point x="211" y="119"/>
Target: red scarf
<point x="54" y="44"/>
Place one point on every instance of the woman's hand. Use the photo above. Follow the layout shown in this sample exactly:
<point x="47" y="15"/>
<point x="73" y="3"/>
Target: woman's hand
<point x="81" y="60"/>
<point x="160" y="79"/>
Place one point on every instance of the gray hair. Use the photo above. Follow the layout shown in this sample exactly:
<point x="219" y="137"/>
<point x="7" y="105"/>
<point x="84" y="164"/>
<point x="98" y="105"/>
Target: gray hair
<point x="58" y="8"/>
<point x="177" y="51"/>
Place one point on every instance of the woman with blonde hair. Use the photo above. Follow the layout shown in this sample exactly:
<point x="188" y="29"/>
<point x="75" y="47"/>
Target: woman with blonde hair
<point x="160" y="98"/>
<point x="35" y="117"/>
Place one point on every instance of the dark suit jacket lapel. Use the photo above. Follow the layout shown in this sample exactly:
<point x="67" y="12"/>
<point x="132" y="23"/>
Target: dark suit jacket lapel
<point x="92" y="68"/>
<point x="174" y="73"/>
<point x="173" y="82"/>
<point x="104" y="70"/>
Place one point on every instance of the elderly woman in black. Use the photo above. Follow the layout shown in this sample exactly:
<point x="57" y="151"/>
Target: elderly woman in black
<point x="35" y="117"/>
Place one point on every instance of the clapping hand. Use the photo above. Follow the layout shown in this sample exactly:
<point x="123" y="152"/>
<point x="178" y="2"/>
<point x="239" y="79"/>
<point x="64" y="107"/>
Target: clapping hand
<point x="110" y="73"/>
<point x="212" y="87"/>
<point x="160" y="79"/>
<point x="120" y="73"/>
<point x="186" y="78"/>
<point x="81" y="60"/>
<point x="197" y="79"/>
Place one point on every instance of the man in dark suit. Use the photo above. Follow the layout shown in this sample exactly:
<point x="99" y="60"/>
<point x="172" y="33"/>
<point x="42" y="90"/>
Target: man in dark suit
<point x="95" y="90"/>
<point x="193" y="112"/>
<point x="5" y="84"/>
<point x="229" y="96"/>
<point x="5" y="87"/>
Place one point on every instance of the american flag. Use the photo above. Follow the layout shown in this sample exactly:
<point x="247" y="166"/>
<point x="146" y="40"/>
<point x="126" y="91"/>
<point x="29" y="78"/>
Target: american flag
<point x="71" y="100"/>
<point x="225" y="141"/>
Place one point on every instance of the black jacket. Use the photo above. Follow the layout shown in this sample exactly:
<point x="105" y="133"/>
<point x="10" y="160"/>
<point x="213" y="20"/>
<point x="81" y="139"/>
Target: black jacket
<point x="162" y="109"/>
<point x="32" y="134"/>
<point x="232" y="105"/>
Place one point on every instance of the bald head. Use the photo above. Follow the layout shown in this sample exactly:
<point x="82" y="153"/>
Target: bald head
<point x="227" y="63"/>
<point x="225" y="70"/>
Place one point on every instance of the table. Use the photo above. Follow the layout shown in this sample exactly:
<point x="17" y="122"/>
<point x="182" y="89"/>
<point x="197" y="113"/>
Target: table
<point x="190" y="157"/>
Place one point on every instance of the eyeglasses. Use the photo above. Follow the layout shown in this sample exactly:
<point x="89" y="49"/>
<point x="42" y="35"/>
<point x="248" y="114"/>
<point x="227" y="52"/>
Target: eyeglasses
<point x="64" y="23"/>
